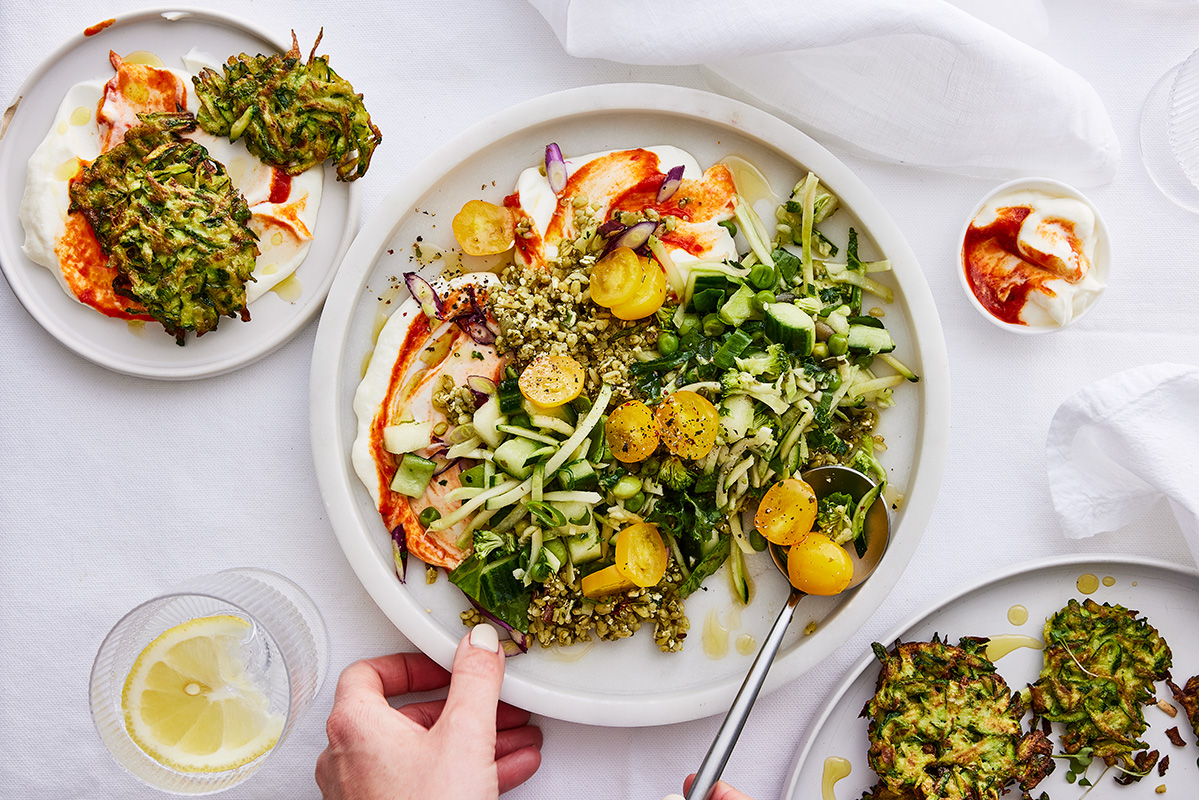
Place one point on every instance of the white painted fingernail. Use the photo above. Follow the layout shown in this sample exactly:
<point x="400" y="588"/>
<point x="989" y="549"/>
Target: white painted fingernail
<point x="674" y="797"/>
<point x="485" y="637"/>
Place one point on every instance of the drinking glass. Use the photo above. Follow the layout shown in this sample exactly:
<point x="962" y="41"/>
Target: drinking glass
<point x="284" y="653"/>
<point x="1170" y="134"/>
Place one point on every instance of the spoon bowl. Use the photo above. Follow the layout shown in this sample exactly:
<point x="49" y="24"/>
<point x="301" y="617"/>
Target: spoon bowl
<point x="877" y="527"/>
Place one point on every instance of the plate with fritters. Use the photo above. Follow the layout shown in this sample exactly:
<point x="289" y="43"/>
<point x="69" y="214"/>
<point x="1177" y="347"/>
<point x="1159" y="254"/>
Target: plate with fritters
<point x="917" y="713"/>
<point x="137" y="347"/>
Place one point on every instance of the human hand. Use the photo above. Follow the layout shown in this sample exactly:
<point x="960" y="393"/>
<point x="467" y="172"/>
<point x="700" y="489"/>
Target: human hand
<point x="463" y="747"/>
<point x="721" y="791"/>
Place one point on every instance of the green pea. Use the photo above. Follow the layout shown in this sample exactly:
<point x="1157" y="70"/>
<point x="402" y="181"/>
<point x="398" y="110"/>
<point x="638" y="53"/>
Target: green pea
<point x="626" y="487"/>
<point x="819" y="351"/>
<point x="762" y="276"/>
<point x="668" y="343"/>
<point x="635" y="502"/>
<point x="429" y="516"/>
<point x="838" y="344"/>
<point x="713" y="326"/>
<point x="756" y="540"/>
<point x="864" y="360"/>
<point x="763" y="299"/>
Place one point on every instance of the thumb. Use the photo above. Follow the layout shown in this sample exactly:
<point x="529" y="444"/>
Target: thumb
<point x="475" y="679"/>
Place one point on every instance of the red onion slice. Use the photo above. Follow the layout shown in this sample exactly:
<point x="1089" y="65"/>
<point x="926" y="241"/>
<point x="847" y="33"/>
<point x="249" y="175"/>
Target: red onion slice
<point x="475" y="326"/>
<point x="481" y="387"/>
<point x="519" y="641"/>
<point x="671" y="184"/>
<point x="442" y="463"/>
<point x="401" y="543"/>
<point x="425" y="294"/>
<point x="555" y="168"/>
<point x="634" y="237"/>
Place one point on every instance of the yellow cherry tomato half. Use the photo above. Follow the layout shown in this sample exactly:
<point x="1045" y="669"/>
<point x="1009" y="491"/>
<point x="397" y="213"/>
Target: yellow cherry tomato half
<point x="786" y="512"/>
<point x="632" y="432"/>
<point x="484" y="229"/>
<point x="817" y="565"/>
<point x="641" y="554"/>
<point x="604" y="582"/>
<point x="687" y="423"/>
<point x="615" y="277"/>
<point x="649" y="295"/>
<point x="551" y="381"/>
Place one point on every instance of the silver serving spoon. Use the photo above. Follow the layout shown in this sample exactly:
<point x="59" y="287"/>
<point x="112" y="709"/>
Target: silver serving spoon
<point x="824" y="481"/>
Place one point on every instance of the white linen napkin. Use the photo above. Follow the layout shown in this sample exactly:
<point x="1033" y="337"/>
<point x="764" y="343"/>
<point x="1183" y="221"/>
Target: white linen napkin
<point x="912" y="81"/>
<point x="1123" y="442"/>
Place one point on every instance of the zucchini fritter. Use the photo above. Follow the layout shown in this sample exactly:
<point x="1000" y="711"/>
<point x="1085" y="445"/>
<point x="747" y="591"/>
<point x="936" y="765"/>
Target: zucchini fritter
<point x="944" y="724"/>
<point x="293" y="114"/>
<point x="172" y="225"/>
<point x="1100" y="665"/>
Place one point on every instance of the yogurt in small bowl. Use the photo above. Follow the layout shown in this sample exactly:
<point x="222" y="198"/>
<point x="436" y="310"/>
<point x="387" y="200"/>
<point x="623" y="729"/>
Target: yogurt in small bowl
<point x="1034" y="255"/>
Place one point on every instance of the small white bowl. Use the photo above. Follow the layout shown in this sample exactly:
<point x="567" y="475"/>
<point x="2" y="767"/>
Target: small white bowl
<point x="1100" y="263"/>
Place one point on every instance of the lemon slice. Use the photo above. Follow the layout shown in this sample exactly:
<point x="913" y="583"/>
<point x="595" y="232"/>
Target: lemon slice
<point x="189" y="703"/>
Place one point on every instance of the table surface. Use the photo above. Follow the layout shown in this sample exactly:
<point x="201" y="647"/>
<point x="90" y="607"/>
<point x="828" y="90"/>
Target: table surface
<point x="111" y="489"/>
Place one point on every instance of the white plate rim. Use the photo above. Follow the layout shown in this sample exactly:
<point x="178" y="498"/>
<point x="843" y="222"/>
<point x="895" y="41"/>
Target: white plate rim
<point x="334" y="475"/>
<point x="313" y="297"/>
<point x="938" y="604"/>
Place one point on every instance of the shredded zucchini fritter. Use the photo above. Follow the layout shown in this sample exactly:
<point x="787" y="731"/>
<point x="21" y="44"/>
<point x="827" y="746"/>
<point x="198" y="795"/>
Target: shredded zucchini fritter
<point x="945" y="725"/>
<point x="171" y="223"/>
<point x="293" y="114"/>
<point x="1100" y="665"/>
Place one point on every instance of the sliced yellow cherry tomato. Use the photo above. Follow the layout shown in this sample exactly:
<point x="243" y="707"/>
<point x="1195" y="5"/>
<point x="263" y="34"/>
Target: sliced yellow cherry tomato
<point x="615" y="277"/>
<point x="641" y="554"/>
<point x="632" y="432"/>
<point x="687" y="423"/>
<point x="817" y="565"/>
<point x="649" y="295"/>
<point x="483" y="228"/>
<point x="551" y="381"/>
<point x="786" y="512"/>
<point x="604" y="582"/>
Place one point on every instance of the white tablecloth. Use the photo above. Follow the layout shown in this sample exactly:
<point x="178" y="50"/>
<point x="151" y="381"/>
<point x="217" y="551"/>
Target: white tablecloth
<point x="113" y="488"/>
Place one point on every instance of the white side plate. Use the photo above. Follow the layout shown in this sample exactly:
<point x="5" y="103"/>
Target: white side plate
<point x="147" y="351"/>
<point x="1166" y="594"/>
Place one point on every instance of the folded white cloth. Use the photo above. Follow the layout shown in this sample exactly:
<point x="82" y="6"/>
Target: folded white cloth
<point x="1123" y="442"/>
<point x="912" y="81"/>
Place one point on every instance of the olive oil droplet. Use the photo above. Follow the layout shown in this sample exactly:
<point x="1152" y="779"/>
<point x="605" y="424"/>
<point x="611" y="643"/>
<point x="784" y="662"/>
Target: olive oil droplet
<point x="67" y="169"/>
<point x="289" y="288"/>
<point x="1017" y="615"/>
<point x="1000" y="646"/>
<point x="835" y="768"/>
<point x="80" y="116"/>
<point x="143" y="57"/>
<point x="1087" y="583"/>
<point x="746" y="644"/>
<point x="1108" y="580"/>
<point x="716" y="637"/>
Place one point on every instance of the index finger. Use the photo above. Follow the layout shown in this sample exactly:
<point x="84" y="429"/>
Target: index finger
<point x="389" y="676"/>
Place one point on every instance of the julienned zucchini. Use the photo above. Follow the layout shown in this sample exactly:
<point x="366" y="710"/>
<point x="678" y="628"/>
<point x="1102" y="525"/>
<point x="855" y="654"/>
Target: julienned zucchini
<point x="413" y="474"/>
<point x="791" y="327"/>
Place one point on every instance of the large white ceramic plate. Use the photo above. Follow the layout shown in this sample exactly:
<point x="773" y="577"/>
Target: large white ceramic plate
<point x="133" y="349"/>
<point x="628" y="682"/>
<point x="1166" y="594"/>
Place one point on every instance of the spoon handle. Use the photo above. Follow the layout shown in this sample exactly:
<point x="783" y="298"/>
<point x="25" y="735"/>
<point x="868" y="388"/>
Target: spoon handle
<point x="722" y="746"/>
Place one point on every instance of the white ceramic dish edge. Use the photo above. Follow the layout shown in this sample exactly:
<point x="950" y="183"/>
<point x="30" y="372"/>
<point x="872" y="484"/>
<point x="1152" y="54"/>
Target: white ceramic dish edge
<point x="337" y="482"/>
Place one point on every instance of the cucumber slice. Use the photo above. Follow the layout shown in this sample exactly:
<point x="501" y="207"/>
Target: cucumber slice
<point x="404" y="437"/>
<point x="514" y="456"/>
<point x="578" y="475"/>
<point x="737" y="308"/>
<point x="585" y="547"/>
<point x="486" y="419"/>
<point x="791" y="327"/>
<point x="510" y="399"/>
<point x="413" y="474"/>
<point x="867" y="339"/>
